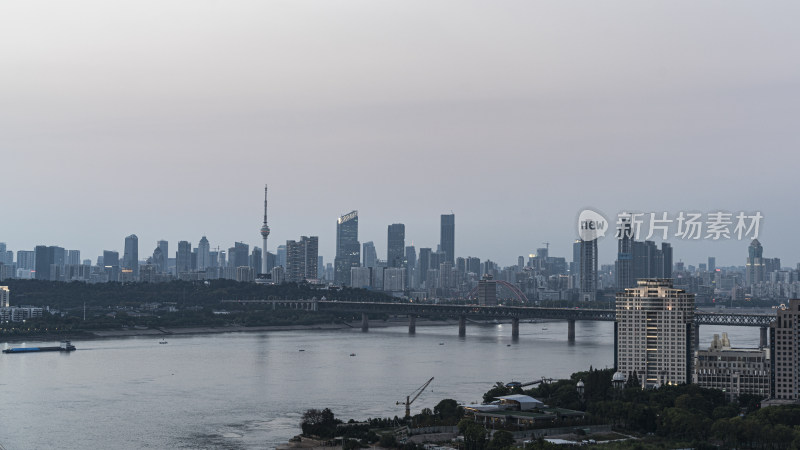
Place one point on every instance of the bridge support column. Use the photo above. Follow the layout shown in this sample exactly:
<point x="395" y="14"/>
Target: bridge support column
<point x="412" y="324"/>
<point x="515" y="328"/>
<point x="462" y="325"/>
<point x="764" y="342"/>
<point x="695" y="337"/>
<point x="571" y="330"/>
<point x="364" y="322"/>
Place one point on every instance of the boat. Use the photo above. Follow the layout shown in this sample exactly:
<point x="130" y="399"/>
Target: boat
<point x="66" y="346"/>
<point x="441" y="343"/>
<point x="163" y="341"/>
<point x="352" y="354"/>
<point x="302" y="350"/>
<point x="544" y="328"/>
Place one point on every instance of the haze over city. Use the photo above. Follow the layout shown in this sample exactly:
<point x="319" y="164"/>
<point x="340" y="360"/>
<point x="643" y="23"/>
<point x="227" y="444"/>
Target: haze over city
<point x="166" y="119"/>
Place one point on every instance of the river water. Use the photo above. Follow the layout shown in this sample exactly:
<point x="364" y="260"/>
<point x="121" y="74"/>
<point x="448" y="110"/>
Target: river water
<point x="249" y="390"/>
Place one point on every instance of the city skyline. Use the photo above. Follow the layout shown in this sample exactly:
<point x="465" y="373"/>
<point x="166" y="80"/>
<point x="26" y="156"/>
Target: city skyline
<point x="545" y="118"/>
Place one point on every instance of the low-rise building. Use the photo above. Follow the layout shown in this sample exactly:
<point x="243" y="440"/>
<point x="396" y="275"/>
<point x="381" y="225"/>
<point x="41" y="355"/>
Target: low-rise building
<point x="734" y="371"/>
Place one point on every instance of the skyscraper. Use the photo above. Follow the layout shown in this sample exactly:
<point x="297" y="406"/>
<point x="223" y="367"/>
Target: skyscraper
<point x="396" y="245"/>
<point x="183" y="257"/>
<point x="203" y="255"/>
<point x="624" y="263"/>
<point x="164" y="246"/>
<point x="239" y="255"/>
<point x="301" y="259"/>
<point x="785" y="350"/>
<point x="370" y="254"/>
<point x="348" y="249"/>
<point x="159" y="259"/>
<point x="280" y="256"/>
<point x="424" y="265"/>
<point x="588" y="270"/>
<point x="654" y="329"/>
<point x="447" y="239"/>
<point x="264" y="235"/>
<point x="411" y="264"/>
<point x="130" y="259"/>
<point x="754" y="271"/>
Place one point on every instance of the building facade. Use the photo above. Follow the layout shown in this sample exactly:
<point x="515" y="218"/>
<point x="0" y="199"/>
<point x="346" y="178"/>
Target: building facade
<point x="734" y="371"/>
<point x="396" y="245"/>
<point x="785" y="350"/>
<point x="348" y="249"/>
<point x="447" y="239"/>
<point x="654" y="324"/>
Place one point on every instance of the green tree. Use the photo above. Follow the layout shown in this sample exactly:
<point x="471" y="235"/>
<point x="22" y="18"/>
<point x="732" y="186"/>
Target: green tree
<point x="501" y="440"/>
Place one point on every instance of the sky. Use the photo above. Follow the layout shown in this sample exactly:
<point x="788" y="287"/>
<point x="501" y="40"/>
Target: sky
<point x="165" y="119"/>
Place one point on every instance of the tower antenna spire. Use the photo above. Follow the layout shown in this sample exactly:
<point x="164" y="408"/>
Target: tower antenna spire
<point x="264" y="235"/>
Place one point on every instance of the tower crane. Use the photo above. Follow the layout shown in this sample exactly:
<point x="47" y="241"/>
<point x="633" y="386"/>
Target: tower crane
<point x="413" y="396"/>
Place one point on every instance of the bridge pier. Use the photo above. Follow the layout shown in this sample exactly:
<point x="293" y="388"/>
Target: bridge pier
<point x="462" y="325"/>
<point x="364" y="322"/>
<point x="764" y="342"/>
<point x="412" y="324"/>
<point x="571" y="330"/>
<point x="515" y="328"/>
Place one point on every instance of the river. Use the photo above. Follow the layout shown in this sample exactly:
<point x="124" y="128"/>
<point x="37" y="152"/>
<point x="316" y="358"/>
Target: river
<point x="249" y="390"/>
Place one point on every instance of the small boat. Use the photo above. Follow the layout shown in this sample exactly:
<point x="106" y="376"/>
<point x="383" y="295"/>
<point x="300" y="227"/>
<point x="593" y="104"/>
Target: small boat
<point x="441" y="343"/>
<point x="163" y="341"/>
<point x="352" y="354"/>
<point x="301" y="350"/>
<point x="544" y="328"/>
<point x="508" y="345"/>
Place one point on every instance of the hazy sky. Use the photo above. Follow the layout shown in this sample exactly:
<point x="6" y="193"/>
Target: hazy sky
<point x="166" y="118"/>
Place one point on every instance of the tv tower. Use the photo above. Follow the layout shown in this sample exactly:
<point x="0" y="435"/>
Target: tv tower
<point x="264" y="234"/>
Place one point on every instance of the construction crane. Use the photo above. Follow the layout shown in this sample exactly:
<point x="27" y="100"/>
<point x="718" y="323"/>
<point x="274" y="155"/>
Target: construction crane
<point x="415" y="394"/>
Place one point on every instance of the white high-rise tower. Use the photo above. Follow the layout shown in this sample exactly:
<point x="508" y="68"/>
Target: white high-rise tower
<point x="264" y="235"/>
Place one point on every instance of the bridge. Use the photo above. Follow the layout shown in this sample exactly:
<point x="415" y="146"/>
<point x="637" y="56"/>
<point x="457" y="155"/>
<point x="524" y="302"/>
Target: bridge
<point x="514" y="313"/>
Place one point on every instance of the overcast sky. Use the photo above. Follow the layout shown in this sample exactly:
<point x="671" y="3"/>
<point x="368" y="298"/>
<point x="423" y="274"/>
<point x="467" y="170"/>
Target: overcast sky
<point x="166" y="118"/>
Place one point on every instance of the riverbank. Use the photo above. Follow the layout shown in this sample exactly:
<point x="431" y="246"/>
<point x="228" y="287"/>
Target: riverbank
<point x="187" y="331"/>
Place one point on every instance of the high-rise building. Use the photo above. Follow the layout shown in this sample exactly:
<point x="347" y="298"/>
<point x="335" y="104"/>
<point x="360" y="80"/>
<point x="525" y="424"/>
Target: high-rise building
<point x="410" y="265"/>
<point x="394" y="279"/>
<point x="26" y="259"/>
<point x="203" y="255"/>
<point x="264" y="235"/>
<point x="785" y="351"/>
<point x="130" y="258"/>
<point x="164" y="246"/>
<point x="424" y="264"/>
<point x="637" y="260"/>
<point x="396" y="245"/>
<point x="361" y="277"/>
<point x="301" y="259"/>
<point x="183" y="257"/>
<point x="348" y="249"/>
<point x="370" y="254"/>
<point x="624" y="263"/>
<point x="447" y="239"/>
<point x="575" y="266"/>
<point x="239" y="255"/>
<point x="280" y="256"/>
<point x="712" y="264"/>
<point x="159" y="260"/>
<point x="588" y="270"/>
<point x="654" y="333"/>
<point x="73" y="257"/>
<point x="256" y="259"/>
<point x="487" y="291"/>
<point x="754" y="270"/>
<point x="474" y="266"/>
